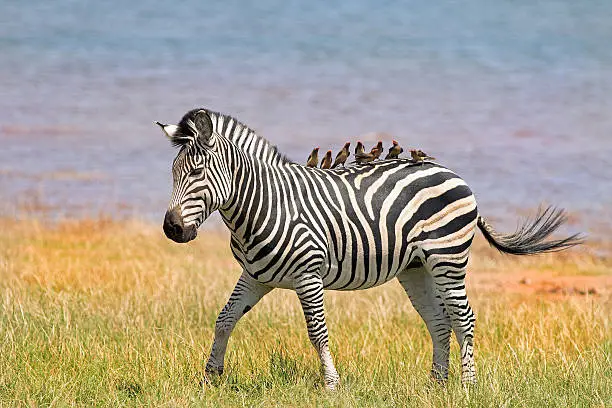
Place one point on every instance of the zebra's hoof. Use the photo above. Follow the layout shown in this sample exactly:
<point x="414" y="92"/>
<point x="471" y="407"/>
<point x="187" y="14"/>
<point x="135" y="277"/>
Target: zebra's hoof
<point x="332" y="382"/>
<point x="333" y="386"/>
<point x="210" y="380"/>
<point x="211" y="376"/>
<point x="439" y="377"/>
<point x="468" y="380"/>
<point x="213" y="371"/>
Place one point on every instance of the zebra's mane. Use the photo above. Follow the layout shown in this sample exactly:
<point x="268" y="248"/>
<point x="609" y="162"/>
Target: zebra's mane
<point x="241" y="135"/>
<point x="246" y="139"/>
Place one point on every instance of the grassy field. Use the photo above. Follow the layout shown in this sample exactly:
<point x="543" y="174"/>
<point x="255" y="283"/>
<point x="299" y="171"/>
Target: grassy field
<point x="109" y="313"/>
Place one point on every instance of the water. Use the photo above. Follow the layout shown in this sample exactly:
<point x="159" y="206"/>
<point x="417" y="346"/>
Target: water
<point x="515" y="96"/>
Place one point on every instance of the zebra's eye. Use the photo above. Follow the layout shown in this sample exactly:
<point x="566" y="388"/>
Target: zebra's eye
<point x="197" y="172"/>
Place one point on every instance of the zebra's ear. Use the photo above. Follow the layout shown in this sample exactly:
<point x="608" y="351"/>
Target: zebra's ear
<point x="173" y="134"/>
<point x="203" y="125"/>
<point x="169" y="130"/>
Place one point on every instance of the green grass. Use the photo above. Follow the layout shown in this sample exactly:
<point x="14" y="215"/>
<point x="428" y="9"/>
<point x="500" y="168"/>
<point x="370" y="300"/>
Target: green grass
<point x="103" y="313"/>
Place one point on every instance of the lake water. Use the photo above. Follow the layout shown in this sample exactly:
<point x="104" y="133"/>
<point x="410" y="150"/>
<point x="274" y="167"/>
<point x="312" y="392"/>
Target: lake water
<point x="515" y="96"/>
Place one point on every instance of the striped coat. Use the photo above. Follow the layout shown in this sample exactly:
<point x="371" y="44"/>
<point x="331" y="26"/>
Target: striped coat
<point x="308" y="229"/>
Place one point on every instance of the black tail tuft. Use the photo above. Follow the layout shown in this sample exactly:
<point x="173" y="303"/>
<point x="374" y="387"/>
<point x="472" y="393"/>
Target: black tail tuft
<point x="529" y="238"/>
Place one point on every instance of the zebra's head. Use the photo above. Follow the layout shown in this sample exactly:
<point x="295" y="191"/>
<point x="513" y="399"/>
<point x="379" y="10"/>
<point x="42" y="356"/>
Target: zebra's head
<point x="201" y="177"/>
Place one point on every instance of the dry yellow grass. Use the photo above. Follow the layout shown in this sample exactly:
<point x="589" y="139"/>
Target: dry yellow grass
<point x="106" y="313"/>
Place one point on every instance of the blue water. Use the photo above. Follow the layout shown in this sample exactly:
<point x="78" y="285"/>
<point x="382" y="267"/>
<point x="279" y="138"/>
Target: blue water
<point x="516" y="96"/>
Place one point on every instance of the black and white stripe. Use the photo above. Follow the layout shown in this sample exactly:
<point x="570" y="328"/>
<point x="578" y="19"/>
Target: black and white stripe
<point x="350" y="228"/>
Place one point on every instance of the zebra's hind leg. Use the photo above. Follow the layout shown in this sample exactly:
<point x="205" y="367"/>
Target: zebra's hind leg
<point x="420" y="288"/>
<point x="246" y="294"/>
<point x="310" y="292"/>
<point x="449" y="279"/>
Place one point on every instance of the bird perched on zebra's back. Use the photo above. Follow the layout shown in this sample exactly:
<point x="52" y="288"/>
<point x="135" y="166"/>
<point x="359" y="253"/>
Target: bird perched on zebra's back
<point x="342" y="155"/>
<point x="313" y="159"/>
<point x="374" y="154"/>
<point x="420" y="156"/>
<point x="327" y="160"/>
<point x="377" y="150"/>
<point x="359" y="149"/>
<point x="394" y="151"/>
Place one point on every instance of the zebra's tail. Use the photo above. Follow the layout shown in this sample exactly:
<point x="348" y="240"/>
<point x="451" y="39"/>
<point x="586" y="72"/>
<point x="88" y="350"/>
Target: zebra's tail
<point x="530" y="238"/>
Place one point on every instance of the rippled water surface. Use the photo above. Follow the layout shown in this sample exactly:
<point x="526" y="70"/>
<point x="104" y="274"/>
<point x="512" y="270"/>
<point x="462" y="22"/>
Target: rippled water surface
<point x="515" y="96"/>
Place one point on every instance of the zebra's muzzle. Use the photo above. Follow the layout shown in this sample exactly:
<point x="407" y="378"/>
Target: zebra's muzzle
<point x="175" y="229"/>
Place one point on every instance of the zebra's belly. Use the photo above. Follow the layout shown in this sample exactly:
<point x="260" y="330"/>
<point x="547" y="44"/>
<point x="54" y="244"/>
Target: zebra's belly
<point x="336" y="275"/>
<point x="335" y="279"/>
<point x="364" y="272"/>
<point x="359" y="280"/>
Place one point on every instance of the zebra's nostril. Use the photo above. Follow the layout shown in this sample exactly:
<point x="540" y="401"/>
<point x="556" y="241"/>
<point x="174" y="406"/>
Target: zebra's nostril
<point x="176" y="230"/>
<point x="173" y="224"/>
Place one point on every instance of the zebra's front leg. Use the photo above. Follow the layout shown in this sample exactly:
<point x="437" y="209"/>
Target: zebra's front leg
<point x="246" y="294"/>
<point x="310" y="292"/>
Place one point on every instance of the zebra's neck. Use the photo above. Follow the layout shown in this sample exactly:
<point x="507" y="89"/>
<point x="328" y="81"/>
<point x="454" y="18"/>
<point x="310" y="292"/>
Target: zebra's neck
<point x="253" y="190"/>
<point x="245" y="139"/>
<point x="256" y="168"/>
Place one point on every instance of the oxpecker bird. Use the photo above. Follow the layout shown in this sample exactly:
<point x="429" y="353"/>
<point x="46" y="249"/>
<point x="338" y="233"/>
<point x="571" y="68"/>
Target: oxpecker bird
<point x="420" y="156"/>
<point x="313" y="159"/>
<point x="327" y="160"/>
<point x="342" y="155"/>
<point x="359" y="149"/>
<point x="377" y="150"/>
<point x="370" y="157"/>
<point x="394" y="151"/>
<point x="364" y="158"/>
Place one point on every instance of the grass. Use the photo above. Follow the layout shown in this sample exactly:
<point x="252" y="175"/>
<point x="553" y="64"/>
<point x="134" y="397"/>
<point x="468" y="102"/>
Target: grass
<point x="109" y="313"/>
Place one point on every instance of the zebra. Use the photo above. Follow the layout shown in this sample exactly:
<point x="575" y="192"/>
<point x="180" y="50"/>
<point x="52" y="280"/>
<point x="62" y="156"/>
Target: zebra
<point x="309" y="230"/>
